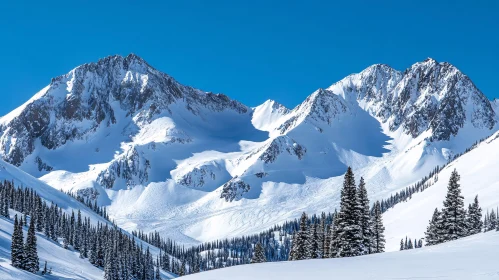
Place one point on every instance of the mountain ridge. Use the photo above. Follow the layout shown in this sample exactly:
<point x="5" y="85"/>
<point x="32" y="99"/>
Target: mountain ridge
<point x="140" y="136"/>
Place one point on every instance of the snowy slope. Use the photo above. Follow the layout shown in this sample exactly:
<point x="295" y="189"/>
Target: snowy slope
<point x="473" y="257"/>
<point x="478" y="170"/>
<point x="198" y="166"/>
<point x="65" y="264"/>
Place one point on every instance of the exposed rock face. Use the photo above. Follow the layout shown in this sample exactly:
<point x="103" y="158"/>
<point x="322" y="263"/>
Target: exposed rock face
<point x="280" y="145"/>
<point x="428" y="95"/>
<point x="131" y="166"/>
<point x="234" y="189"/>
<point x="42" y="166"/>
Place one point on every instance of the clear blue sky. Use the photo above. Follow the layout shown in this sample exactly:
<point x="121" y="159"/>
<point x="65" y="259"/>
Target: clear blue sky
<point x="249" y="50"/>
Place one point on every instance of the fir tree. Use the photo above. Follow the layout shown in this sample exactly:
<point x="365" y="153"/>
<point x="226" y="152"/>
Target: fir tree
<point x="377" y="238"/>
<point x="258" y="254"/>
<point x="182" y="270"/>
<point x="157" y="275"/>
<point x="301" y="244"/>
<point x="314" y="246"/>
<point x="31" y="262"/>
<point x="432" y="234"/>
<point x="348" y="233"/>
<point x="319" y="239"/>
<point x="492" y="221"/>
<point x="486" y="221"/>
<point x="327" y="242"/>
<point x="474" y="218"/>
<point x="17" y="247"/>
<point x="365" y="216"/>
<point x="453" y="212"/>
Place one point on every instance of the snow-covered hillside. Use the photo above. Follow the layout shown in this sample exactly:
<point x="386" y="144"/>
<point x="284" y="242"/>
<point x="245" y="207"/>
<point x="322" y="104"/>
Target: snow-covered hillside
<point x="65" y="264"/>
<point x="473" y="257"/>
<point x="478" y="177"/>
<point x="198" y="166"/>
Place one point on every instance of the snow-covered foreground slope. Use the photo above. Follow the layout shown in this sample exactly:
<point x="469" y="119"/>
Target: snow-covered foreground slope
<point x="65" y="264"/>
<point x="474" y="257"/>
<point x="479" y="176"/>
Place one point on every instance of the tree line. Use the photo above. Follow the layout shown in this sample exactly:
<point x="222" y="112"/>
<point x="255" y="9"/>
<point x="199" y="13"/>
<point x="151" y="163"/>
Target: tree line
<point x="105" y="246"/>
<point x="355" y="230"/>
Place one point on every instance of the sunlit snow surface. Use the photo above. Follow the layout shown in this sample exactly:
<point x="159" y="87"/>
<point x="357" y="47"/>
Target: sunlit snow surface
<point x="471" y="258"/>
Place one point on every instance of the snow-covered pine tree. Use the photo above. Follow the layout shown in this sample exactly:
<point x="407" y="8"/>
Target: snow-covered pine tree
<point x="474" y="217"/>
<point x="327" y="242"/>
<point x="492" y="220"/>
<point x="365" y="216"/>
<point x="301" y="243"/>
<point x="157" y="274"/>
<point x="314" y="246"/>
<point x="453" y="212"/>
<point x="334" y="240"/>
<point x="31" y="262"/>
<point x="17" y="246"/>
<point x="319" y="237"/>
<point x="402" y="244"/>
<point x="348" y="233"/>
<point x="486" y="221"/>
<point x="432" y="234"/>
<point x="377" y="232"/>
<point x="292" y="251"/>
<point x="258" y="254"/>
<point x="182" y="270"/>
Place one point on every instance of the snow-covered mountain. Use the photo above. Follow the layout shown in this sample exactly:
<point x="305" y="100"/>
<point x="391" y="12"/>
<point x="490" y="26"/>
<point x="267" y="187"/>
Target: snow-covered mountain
<point x="196" y="165"/>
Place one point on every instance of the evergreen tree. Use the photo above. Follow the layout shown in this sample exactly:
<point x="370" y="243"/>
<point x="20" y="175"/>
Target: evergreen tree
<point x="474" y="218"/>
<point x="486" y="222"/>
<point x="314" y="246"/>
<point x="453" y="212"/>
<point x="320" y="238"/>
<point x="301" y="242"/>
<point x="432" y="234"/>
<point x="365" y="216"/>
<point x="402" y="244"/>
<point x="377" y="232"/>
<point x="327" y="242"/>
<point x="258" y="254"/>
<point x="348" y="233"/>
<point x="492" y="221"/>
<point x="182" y="270"/>
<point x="158" y="275"/>
<point x="17" y="247"/>
<point x="31" y="262"/>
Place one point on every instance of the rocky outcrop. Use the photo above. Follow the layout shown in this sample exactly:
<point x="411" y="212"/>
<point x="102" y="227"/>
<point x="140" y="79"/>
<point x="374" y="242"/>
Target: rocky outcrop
<point x="131" y="167"/>
<point x="234" y="189"/>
